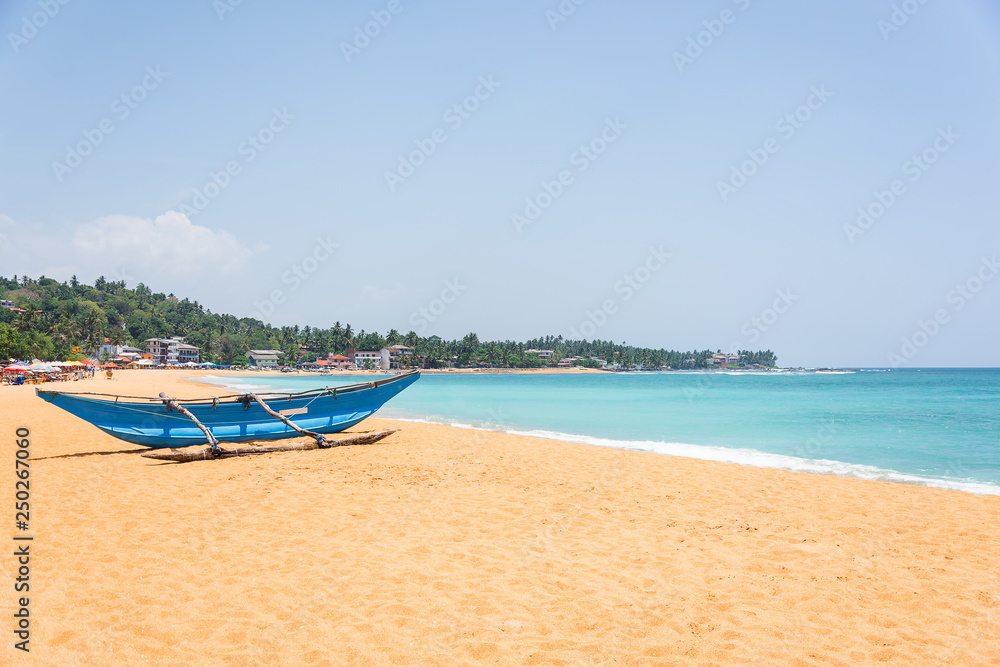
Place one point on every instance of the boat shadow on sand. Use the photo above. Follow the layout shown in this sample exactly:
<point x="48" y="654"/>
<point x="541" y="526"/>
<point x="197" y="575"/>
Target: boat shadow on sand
<point x="73" y="456"/>
<point x="357" y="439"/>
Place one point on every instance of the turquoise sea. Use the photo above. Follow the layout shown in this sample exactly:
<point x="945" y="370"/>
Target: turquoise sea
<point x="938" y="427"/>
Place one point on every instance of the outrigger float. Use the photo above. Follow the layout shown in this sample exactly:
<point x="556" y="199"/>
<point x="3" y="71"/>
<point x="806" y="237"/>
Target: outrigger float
<point x="166" y="423"/>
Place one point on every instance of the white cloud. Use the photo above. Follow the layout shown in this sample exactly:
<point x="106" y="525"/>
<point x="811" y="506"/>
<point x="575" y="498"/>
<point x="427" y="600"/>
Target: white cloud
<point x="168" y="253"/>
<point x="169" y="244"/>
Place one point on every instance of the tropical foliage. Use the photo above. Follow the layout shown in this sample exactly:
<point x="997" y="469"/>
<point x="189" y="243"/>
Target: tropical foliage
<point x="58" y="318"/>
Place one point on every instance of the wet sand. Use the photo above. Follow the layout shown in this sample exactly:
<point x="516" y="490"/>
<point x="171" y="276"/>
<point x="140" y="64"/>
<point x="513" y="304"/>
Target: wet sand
<point x="450" y="546"/>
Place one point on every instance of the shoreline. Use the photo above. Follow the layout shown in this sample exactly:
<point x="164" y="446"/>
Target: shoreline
<point x="444" y="545"/>
<point x="740" y="456"/>
<point x="754" y="458"/>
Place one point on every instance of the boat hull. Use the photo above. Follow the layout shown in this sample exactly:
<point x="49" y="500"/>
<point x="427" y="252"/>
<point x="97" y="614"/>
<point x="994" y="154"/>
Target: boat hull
<point x="152" y="424"/>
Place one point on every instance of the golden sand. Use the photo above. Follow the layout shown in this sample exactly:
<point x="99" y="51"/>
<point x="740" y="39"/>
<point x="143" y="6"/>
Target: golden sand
<point x="451" y="546"/>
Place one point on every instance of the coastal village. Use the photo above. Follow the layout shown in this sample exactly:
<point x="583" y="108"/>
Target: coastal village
<point x="51" y="330"/>
<point x="175" y="352"/>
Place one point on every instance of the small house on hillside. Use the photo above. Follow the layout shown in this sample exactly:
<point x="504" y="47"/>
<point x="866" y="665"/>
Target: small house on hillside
<point x="263" y="358"/>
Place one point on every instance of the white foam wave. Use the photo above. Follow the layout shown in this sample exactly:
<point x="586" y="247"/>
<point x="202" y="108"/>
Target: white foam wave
<point x="742" y="456"/>
<point x="749" y="457"/>
<point x="753" y="457"/>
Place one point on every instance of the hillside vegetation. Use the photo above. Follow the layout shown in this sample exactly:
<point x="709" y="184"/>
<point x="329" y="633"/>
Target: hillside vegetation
<point x="59" y="317"/>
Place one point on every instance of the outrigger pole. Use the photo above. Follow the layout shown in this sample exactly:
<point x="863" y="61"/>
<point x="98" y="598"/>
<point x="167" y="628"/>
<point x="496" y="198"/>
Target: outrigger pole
<point x="171" y="404"/>
<point x="174" y="405"/>
<point x="320" y="440"/>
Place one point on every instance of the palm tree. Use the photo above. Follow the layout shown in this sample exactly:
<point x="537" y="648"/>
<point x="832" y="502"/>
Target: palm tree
<point x="64" y="330"/>
<point x="92" y="332"/>
<point x="207" y="345"/>
<point x="26" y="320"/>
<point x="117" y="334"/>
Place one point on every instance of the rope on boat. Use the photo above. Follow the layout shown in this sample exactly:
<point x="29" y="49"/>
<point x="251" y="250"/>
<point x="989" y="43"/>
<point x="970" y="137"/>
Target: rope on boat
<point x="124" y="406"/>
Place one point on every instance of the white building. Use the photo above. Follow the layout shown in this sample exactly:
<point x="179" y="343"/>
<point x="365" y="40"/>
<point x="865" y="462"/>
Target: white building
<point x="263" y="358"/>
<point x="725" y="359"/>
<point x="379" y="359"/>
<point x="397" y="354"/>
<point x="171" y="350"/>
<point x="123" y="351"/>
<point x="544" y="355"/>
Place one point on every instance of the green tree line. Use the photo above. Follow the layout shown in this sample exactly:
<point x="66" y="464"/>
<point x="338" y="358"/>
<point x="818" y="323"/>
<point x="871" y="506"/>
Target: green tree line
<point x="61" y="316"/>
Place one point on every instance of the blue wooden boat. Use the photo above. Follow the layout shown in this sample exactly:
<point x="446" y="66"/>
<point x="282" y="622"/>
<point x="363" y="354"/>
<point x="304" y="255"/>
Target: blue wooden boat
<point x="163" y="422"/>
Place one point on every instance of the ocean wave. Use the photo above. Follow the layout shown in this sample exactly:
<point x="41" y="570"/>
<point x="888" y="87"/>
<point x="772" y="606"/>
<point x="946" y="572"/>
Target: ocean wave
<point x="749" y="457"/>
<point x="753" y="457"/>
<point x="742" y="456"/>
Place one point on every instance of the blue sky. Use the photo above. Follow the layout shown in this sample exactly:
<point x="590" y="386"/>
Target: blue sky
<point x="305" y="227"/>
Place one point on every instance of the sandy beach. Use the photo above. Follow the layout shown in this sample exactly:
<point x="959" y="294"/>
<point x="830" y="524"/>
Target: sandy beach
<point x="459" y="547"/>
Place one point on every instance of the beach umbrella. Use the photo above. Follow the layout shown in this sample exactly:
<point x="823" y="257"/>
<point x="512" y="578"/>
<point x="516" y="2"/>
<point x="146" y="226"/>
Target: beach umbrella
<point x="87" y="362"/>
<point x="17" y="369"/>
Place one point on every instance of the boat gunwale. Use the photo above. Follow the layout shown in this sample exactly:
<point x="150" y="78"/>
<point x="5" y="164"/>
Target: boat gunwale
<point x="238" y="398"/>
